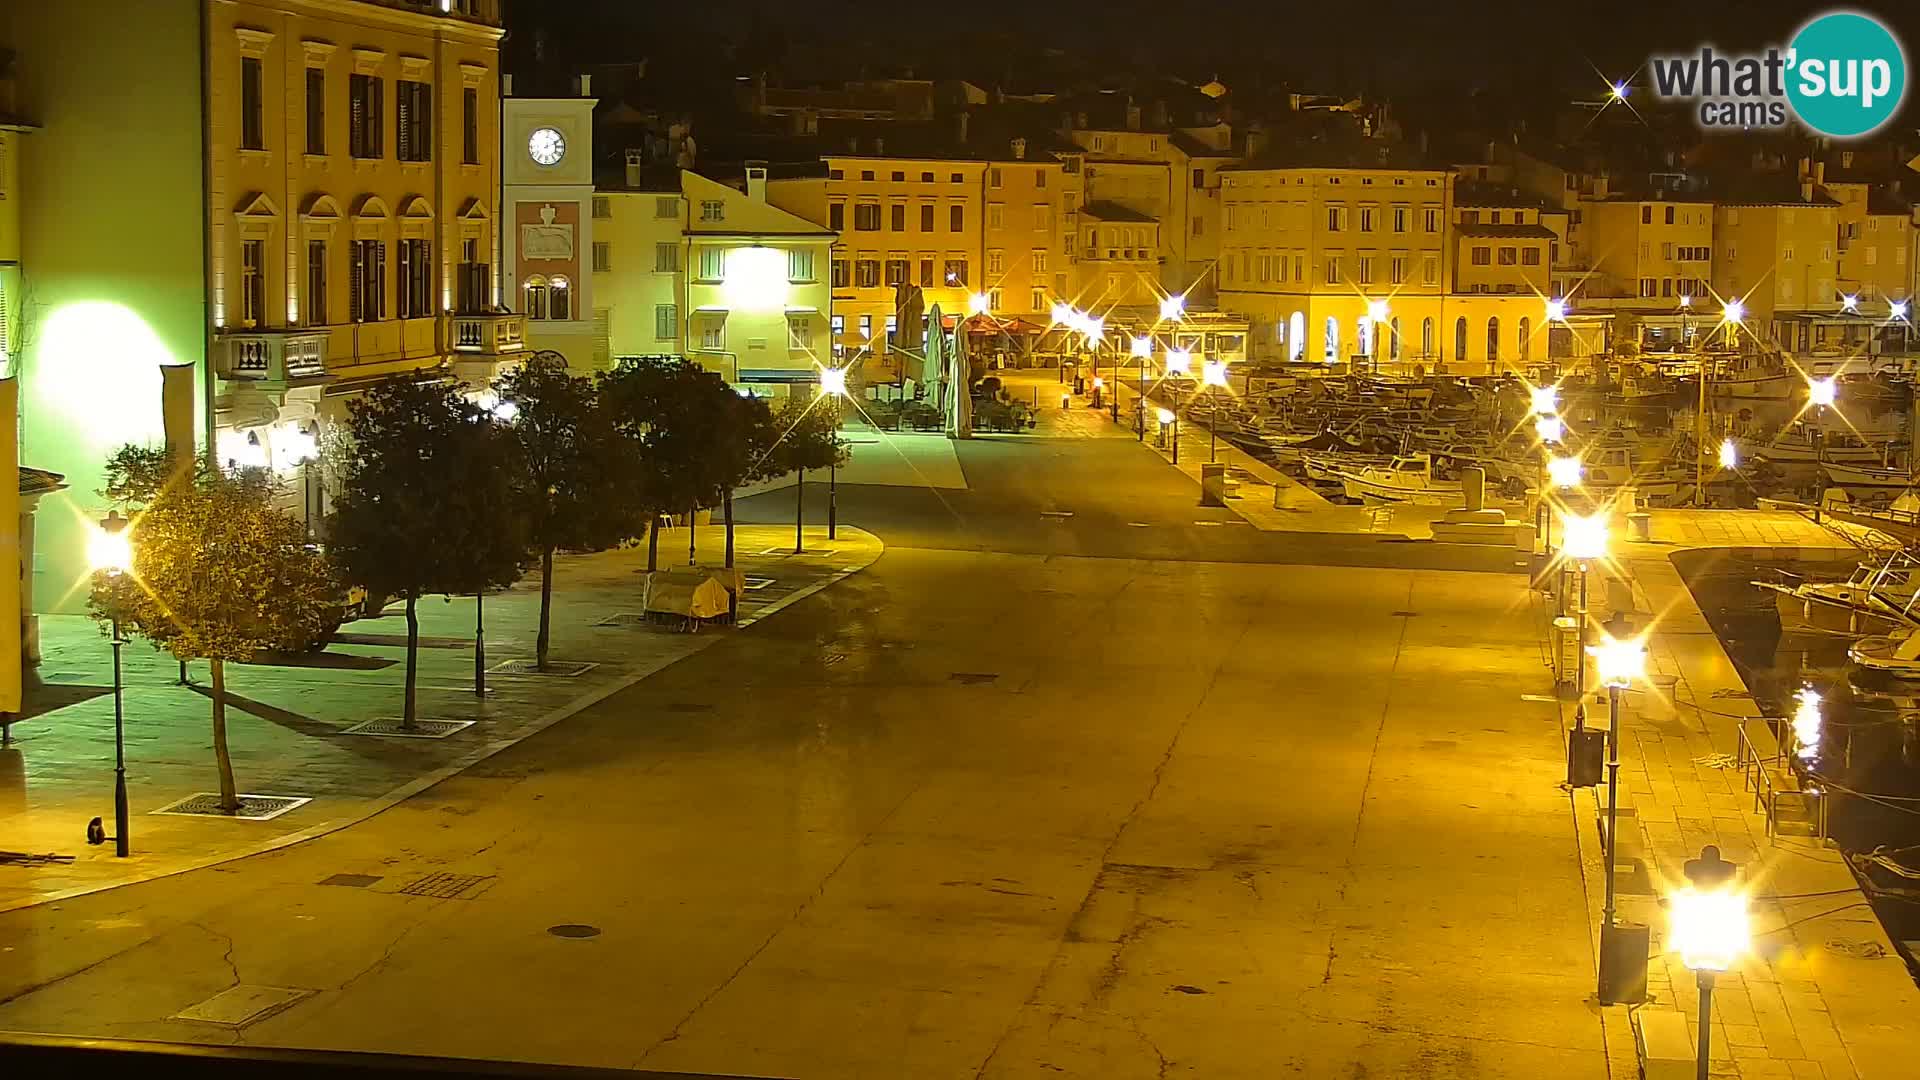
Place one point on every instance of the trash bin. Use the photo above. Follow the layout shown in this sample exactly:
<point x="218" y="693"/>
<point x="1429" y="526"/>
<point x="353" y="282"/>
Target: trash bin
<point x="1640" y="526"/>
<point x="1213" y="484"/>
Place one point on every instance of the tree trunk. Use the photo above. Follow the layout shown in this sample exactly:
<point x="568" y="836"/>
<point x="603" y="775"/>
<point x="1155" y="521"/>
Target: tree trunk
<point x="691" y="512"/>
<point x="653" y="540"/>
<point x="229" y="794"/>
<point x="413" y="653"/>
<point x="800" y="512"/>
<point x="480" y="643"/>
<point x="727" y="502"/>
<point x="541" y="640"/>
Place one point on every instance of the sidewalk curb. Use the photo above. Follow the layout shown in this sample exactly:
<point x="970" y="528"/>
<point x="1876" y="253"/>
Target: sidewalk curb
<point x="479" y="753"/>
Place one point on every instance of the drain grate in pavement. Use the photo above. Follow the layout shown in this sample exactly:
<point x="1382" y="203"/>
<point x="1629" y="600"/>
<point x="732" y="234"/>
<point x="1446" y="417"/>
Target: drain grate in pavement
<point x="560" y="669"/>
<point x="688" y="706"/>
<point x="392" y="727"/>
<point x="350" y="881"/>
<point x="252" y="807"/>
<point x="755" y="584"/>
<point x="973" y="678"/>
<point x="238" y="1006"/>
<point x="624" y="618"/>
<point x="574" y="930"/>
<point x="445" y="886"/>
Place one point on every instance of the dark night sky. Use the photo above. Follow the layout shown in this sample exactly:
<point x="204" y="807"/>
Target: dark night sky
<point x="1510" y="50"/>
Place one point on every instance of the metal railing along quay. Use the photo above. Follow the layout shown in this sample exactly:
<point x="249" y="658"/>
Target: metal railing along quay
<point x="29" y="1055"/>
<point x="1767" y="776"/>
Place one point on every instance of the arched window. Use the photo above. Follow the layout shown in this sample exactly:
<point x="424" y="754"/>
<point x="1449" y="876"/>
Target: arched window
<point x="1363" y="336"/>
<point x="1426" y="336"/>
<point x="561" y="304"/>
<point x="1333" y="340"/>
<point x="1526" y="339"/>
<point x="1460" y="339"/>
<point x="1296" y="335"/>
<point x="535" y="297"/>
<point x="1493" y="341"/>
<point x="1393" y="339"/>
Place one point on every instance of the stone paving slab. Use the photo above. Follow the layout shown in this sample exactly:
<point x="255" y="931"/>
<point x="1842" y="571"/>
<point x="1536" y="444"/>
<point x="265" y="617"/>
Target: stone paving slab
<point x="287" y="717"/>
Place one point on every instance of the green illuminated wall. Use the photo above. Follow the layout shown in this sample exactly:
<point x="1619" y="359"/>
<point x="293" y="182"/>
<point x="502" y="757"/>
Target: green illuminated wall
<point x="112" y="276"/>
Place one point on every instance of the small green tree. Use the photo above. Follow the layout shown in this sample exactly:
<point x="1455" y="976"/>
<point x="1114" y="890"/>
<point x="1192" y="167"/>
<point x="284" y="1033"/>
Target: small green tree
<point x="217" y="572"/>
<point x="565" y="483"/>
<point x="426" y="504"/>
<point x="807" y="436"/>
<point x="661" y="414"/>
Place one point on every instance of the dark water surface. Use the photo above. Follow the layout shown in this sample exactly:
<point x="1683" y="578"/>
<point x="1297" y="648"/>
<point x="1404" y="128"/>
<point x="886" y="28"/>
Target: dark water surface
<point x="1871" y="734"/>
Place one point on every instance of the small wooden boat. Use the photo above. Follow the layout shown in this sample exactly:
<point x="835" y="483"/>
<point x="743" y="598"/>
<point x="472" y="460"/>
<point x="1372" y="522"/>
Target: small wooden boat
<point x="1405" y="479"/>
<point x="1841" y="475"/>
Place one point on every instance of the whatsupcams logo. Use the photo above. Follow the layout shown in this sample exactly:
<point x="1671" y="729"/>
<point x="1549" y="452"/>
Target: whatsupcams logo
<point x="1843" y="75"/>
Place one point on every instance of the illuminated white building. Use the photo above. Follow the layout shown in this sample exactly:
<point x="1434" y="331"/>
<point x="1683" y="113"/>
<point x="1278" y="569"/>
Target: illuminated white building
<point x="692" y="267"/>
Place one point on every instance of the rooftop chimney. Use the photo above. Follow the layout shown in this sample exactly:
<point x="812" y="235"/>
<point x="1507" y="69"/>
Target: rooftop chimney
<point x="635" y="159"/>
<point x="879" y="146"/>
<point x="586" y="86"/>
<point x="506" y="84"/>
<point x="1019" y="147"/>
<point x="757" y="181"/>
<point x="960" y="123"/>
<point x="1133" y="116"/>
<point x="1846" y="159"/>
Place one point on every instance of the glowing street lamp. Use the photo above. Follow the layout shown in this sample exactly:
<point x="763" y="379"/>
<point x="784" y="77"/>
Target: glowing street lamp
<point x="1849" y="302"/>
<point x="1821" y="392"/>
<point x="1583" y="538"/>
<point x="1544" y="400"/>
<point x="1061" y="315"/>
<point x="1179" y="362"/>
<point x="979" y="304"/>
<point x="1618" y="91"/>
<point x="1729" y="454"/>
<point x="1619" y="664"/>
<point x="1807" y="722"/>
<point x="1214" y="372"/>
<point x="1732" y="312"/>
<point x="1707" y="926"/>
<point x="1172" y="308"/>
<point x="1142" y="347"/>
<point x="1556" y="310"/>
<point x="833" y="385"/>
<point x="1550" y="429"/>
<point x="110" y="549"/>
<point x="1168" y="418"/>
<point x="1897" y="310"/>
<point x="1377" y="311"/>
<point x="1564" y="472"/>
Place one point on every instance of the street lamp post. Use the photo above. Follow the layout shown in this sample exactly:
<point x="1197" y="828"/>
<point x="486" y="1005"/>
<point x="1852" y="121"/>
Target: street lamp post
<point x="1142" y="349"/>
<point x="111" y="550"/>
<point x="1168" y="416"/>
<point x="1619" y="664"/>
<point x="1214" y="374"/>
<point x="1709" y="930"/>
<point x="1583" y="539"/>
<point x="833" y="385"/>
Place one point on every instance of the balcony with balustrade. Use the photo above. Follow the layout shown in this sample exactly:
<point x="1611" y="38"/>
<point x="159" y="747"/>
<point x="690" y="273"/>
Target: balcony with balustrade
<point x="494" y="333"/>
<point x="272" y="358"/>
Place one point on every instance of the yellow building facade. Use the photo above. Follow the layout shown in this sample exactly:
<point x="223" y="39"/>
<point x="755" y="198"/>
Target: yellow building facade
<point x="314" y="207"/>
<point x="899" y="221"/>
<point x="352" y="186"/>
<point x="1777" y="256"/>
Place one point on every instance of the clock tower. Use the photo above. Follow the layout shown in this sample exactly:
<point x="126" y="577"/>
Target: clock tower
<point x="546" y="209"/>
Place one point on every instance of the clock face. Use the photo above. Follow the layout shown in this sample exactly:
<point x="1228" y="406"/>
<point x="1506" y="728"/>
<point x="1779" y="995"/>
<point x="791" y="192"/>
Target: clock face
<point x="546" y="146"/>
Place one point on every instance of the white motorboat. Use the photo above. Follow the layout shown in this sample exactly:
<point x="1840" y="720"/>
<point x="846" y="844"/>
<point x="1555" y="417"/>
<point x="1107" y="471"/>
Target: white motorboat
<point x="1796" y="443"/>
<point x="1405" y="479"/>
<point x="1862" y="476"/>
<point x="1895" y="654"/>
<point x="1877" y="598"/>
<point x="1755" y="378"/>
